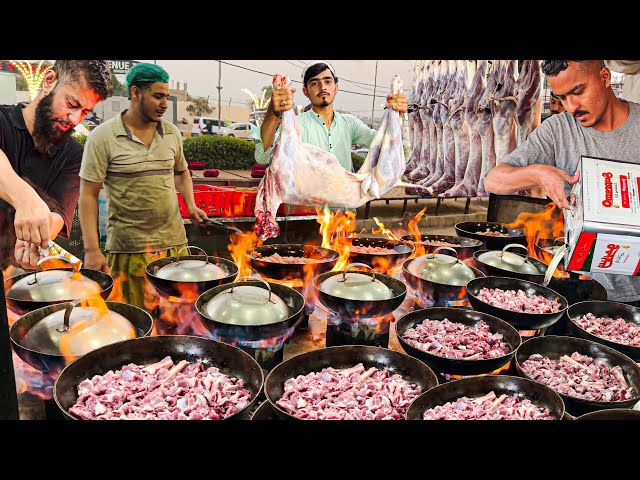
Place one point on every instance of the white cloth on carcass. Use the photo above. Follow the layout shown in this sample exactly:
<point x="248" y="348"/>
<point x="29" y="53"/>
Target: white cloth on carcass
<point x="303" y="174"/>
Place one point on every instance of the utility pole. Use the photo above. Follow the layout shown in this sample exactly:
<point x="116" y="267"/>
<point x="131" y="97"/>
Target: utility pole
<point x="375" y="83"/>
<point x="219" y="89"/>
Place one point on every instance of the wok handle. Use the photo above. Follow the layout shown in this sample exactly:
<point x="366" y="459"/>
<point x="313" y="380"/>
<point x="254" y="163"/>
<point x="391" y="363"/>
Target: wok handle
<point x="42" y="260"/>
<point x="517" y="245"/>
<point x="67" y="315"/>
<point x="206" y="257"/>
<point x="455" y="252"/>
<point x="553" y="264"/>
<point x="255" y="280"/>
<point x="357" y="264"/>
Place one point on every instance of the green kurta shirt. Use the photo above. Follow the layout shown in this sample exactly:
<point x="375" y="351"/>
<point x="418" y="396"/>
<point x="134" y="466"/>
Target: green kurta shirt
<point x="345" y="130"/>
<point x="143" y="211"/>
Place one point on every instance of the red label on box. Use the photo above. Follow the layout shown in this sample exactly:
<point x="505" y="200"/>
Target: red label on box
<point x="624" y="191"/>
<point x="581" y="251"/>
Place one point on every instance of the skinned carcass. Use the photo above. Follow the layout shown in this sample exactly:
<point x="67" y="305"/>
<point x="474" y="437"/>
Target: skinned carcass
<point x="528" y="99"/>
<point x="503" y="108"/>
<point x="303" y="174"/>
<point x="415" y="123"/>
<point x="485" y="125"/>
<point x="421" y="169"/>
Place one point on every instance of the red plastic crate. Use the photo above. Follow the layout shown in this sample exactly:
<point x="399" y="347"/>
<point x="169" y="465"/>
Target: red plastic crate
<point x="286" y="209"/>
<point x="243" y="203"/>
<point x="215" y="201"/>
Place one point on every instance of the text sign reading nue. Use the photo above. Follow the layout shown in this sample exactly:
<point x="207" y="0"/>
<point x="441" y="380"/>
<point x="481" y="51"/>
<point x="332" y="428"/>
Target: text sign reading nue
<point x="603" y="230"/>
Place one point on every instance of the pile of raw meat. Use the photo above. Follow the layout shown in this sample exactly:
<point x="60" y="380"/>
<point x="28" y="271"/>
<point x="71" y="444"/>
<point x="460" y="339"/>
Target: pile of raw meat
<point x="361" y="249"/>
<point x="437" y="243"/>
<point x="456" y="340"/>
<point x="466" y="117"/>
<point x="277" y="258"/>
<point x="162" y="391"/>
<point x="618" y="330"/>
<point x="351" y="394"/>
<point x="580" y="376"/>
<point x="489" y="407"/>
<point x="493" y="234"/>
<point x="517" y="301"/>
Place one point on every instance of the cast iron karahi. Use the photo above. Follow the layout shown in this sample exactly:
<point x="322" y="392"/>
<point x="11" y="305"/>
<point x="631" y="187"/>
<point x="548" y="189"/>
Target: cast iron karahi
<point x="475" y="230"/>
<point x="347" y="356"/>
<point x="148" y="350"/>
<point x="452" y="366"/>
<point x="475" y="387"/>
<point x="506" y="263"/>
<point x="520" y="320"/>
<point x="324" y="260"/>
<point x="465" y="250"/>
<point x="555" y="347"/>
<point x="381" y="262"/>
<point x="45" y="362"/>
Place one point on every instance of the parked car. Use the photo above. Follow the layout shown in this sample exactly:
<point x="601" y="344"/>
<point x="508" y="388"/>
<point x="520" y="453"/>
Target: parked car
<point x="238" y="130"/>
<point x="207" y="126"/>
<point x="361" y="152"/>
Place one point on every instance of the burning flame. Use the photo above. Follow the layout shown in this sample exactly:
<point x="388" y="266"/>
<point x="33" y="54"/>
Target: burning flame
<point x="240" y="246"/>
<point x="383" y="230"/>
<point x="336" y="229"/>
<point x="495" y="372"/>
<point x="417" y="235"/>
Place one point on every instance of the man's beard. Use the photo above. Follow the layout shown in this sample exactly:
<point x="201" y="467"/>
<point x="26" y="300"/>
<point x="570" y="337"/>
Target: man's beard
<point x="47" y="136"/>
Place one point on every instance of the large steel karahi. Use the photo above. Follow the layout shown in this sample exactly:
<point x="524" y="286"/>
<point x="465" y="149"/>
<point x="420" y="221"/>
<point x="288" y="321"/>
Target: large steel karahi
<point x="247" y="305"/>
<point x="190" y="270"/>
<point x="506" y="260"/>
<point x="356" y="286"/>
<point x="442" y="269"/>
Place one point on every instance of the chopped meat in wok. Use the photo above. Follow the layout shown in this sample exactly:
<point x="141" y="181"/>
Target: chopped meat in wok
<point x="580" y="376"/>
<point x="456" y="340"/>
<point x="489" y="407"/>
<point x="351" y="394"/>
<point x="493" y="234"/>
<point x="162" y="391"/>
<point x="277" y="258"/>
<point x="517" y="301"/>
<point x="439" y="243"/>
<point x="361" y="249"/>
<point x="618" y="331"/>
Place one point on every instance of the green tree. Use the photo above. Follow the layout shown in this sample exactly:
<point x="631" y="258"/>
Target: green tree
<point x="199" y="106"/>
<point x="118" y="88"/>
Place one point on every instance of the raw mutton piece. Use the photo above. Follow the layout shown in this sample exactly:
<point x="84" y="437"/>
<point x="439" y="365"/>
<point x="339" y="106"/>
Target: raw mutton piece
<point x="303" y="174"/>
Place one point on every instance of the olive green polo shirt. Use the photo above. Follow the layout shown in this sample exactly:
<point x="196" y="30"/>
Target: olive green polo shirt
<point x="143" y="212"/>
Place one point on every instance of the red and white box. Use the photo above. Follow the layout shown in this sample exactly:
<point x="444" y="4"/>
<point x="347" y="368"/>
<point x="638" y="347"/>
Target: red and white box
<point x="602" y="231"/>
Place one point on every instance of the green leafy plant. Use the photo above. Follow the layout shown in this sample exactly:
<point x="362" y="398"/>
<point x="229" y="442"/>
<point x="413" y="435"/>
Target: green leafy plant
<point x="80" y="138"/>
<point x="357" y="161"/>
<point x="220" y="152"/>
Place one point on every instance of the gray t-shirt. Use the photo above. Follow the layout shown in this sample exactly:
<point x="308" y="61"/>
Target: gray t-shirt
<point x="560" y="141"/>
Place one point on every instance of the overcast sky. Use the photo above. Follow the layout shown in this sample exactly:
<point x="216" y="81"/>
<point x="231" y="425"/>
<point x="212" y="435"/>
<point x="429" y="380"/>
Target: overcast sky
<point x="202" y="79"/>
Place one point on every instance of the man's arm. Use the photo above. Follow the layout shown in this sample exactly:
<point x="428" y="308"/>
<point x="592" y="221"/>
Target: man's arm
<point x="184" y="184"/>
<point x="270" y="123"/>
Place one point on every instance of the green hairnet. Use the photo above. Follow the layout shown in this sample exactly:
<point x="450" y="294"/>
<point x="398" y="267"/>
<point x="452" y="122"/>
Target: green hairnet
<point x="146" y="72"/>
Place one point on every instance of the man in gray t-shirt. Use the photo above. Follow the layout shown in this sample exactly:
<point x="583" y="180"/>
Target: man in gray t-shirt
<point x="595" y="123"/>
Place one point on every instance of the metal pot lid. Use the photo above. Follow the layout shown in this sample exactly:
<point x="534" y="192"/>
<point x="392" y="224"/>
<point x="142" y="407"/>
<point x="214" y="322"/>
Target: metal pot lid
<point x="247" y="305"/>
<point x="191" y="270"/>
<point x="549" y="246"/>
<point x="439" y="268"/>
<point x="78" y="330"/>
<point x="510" y="261"/>
<point x="53" y="285"/>
<point x="356" y="286"/>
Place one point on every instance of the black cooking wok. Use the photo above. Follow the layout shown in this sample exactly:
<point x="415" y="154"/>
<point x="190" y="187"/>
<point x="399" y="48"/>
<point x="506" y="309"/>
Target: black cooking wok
<point x="555" y="346"/>
<point x="611" y="414"/>
<point x="520" y="320"/>
<point x="491" y="270"/>
<point x="411" y="369"/>
<point x="465" y="250"/>
<point x="148" y="350"/>
<point x="324" y="260"/>
<point x="44" y="362"/>
<point x="178" y="289"/>
<point x="603" y="309"/>
<point x="452" y="366"/>
<point x="292" y="298"/>
<point x="369" y="308"/>
<point x="474" y="387"/>
<point x="474" y="229"/>
<point x="265" y="412"/>
<point x="24" y="306"/>
<point x="380" y="262"/>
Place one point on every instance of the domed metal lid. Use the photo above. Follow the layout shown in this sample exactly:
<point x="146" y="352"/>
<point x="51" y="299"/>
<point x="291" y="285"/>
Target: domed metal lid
<point x="53" y="285"/>
<point x="510" y="261"/>
<point x="443" y="269"/>
<point x="356" y="286"/>
<point x="247" y="305"/>
<point x="190" y="270"/>
<point x="77" y="330"/>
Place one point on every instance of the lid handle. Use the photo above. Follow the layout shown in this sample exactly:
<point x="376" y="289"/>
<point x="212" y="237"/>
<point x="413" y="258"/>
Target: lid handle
<point x="253" y="279"/>
<point x="455" y="252"/>
<point x="517" y="245"/>
<point x="52" y="257"/>
<point x="357" y="264"/>
<point x="67" y="315"/>
<point x="206" y="257"/>
<point x="553" y="264"/>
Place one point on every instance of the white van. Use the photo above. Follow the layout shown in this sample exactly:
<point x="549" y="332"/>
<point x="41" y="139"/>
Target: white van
<point x="207" y="126"/>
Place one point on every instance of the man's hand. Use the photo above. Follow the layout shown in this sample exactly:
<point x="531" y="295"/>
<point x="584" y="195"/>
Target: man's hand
<point x="26" y="254"/>
<point x="94" y="260"/>
<point x="33" y="220"/>
<point x="398" y="102"/>
<point x="279" y="96"/>
<point x="552" y="179"/>
<point x="197" y="215"/>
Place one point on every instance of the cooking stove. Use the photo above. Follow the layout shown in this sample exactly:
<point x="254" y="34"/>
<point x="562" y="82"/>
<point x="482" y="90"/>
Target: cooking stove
<point x="372" y="331"/>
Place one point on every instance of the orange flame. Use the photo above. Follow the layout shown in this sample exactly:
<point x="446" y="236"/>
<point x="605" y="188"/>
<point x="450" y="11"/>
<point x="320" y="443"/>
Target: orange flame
<point x="417" y="234"/>
<point x="383" y="230"/>
<point x="495" y="372"/>
<point x="336" y="230"/>
<point x="240" y="246"/>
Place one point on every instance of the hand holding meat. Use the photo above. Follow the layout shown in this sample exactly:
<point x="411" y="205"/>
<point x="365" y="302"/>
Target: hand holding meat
<point x="397" y="101"/>
<point x="281" y="100"/>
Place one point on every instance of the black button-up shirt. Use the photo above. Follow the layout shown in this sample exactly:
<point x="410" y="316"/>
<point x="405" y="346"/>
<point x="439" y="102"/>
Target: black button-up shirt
<point x="55" y="178"/>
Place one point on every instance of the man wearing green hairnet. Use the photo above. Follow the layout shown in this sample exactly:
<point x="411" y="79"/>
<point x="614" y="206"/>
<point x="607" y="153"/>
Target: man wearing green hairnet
<point x="138" y="157"/>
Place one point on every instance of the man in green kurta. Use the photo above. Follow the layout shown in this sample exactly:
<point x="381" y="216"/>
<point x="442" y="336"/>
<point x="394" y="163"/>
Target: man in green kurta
<point x="138" y="156"/>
